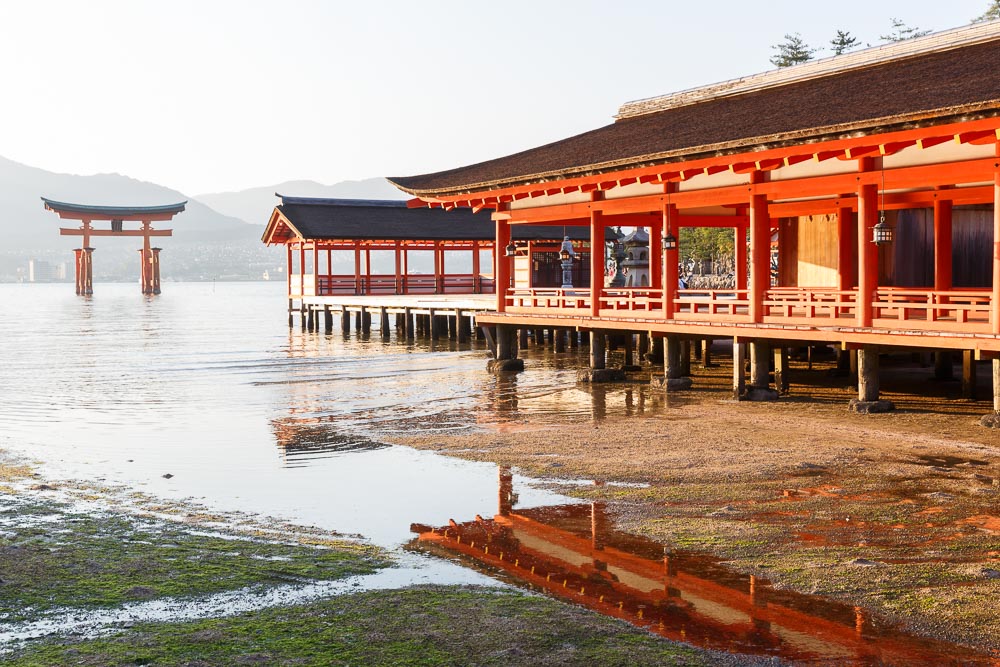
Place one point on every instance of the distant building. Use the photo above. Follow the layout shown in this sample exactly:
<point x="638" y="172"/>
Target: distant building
<point x="40" y="271"/>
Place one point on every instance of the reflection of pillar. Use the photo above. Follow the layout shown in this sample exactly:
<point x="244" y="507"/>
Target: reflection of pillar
<point x="505" y="502"/>
<point x="88" y="271"/>
<point x="155" y="269"/>
<point x="144" y="279"/>
<point x="597" y="526"/>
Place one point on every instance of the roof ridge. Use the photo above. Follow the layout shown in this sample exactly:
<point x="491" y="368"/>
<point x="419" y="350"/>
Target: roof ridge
<point x="875" y="55"/>
<point x="339" y="201"/>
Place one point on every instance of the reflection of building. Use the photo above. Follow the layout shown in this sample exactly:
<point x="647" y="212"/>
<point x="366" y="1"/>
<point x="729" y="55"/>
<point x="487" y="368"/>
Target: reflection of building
<point x="571" y="553"/>
<point x="302" y="439"/>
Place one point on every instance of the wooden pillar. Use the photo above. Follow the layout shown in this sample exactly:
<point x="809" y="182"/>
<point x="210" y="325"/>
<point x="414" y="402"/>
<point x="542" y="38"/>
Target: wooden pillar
<point x="405" y="288"/>
<point x="740" y="246"/>
<point x="760" y="251"/>
<point x="155" y="268"/>
<point x="670" y="257"/>
<point x="867" y="282"/>
<point x="596" y="269"/>
<point x="655" y="253"/>
<point x="643" y="346"/>
<point x="995" y="301"/>
<point x="302" y="269"/>
<point x="383" y="322"/>
<point x="706" y="353"/>
<point x="656" y="349"/>
<point x="409" y="323"/>
<point x="538" y="335"/>
<point x="357" y="320"/>
<point x="598" y="341"/>
<point x="781" y="369"/>
<point x="502" y="269"/>
<point x="476" y="281"/>
<point x="358" y="289"/>
<point x="672" y="356"/>
<point x="868" y="374"/>
<point x="574" y="338"/>
<point x="996" y="386"/>
<point x="368" y="270"/>
<point x="311" y="319"/>
<point x="438" y="269"/>
<point x="943" y="365"/>
<point x="78" y="264"/>
<point x="460" y="328"/>
<point x="760" y="369"/>
<point x="327" y="319"/>
<point x="968" y="374"/>
<point x="739" y="368"/>
<point x="366" y="321"/>
<point x="505" y="342"/>
<point x="685" y="358"/>
<point x="942" y="244"/>
<point x="433" y="324"/>
<point x="397" y="269"/>
<point x="523" y="334"/>
<point x="845" y="251"/>
<point x="629" y="349"/>
<point x="288" y="272"/>
<point x="560" y="339"/>
<point x="88" y="273"/>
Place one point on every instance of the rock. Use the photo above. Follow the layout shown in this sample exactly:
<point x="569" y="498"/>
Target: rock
<point x="990" y="573"/>
<point x="938" y="495"/>
<point x="811" y="466"/>
<point x="671" y="384"/>
<point x="594" y="375"/>
<point x="505" y="365"/>
<point x="870" y="407"/>
<point x="985" y="479"/>
<point x="864" y="562"/>
<point x="759" y="394"/>
<point x="991" y="421"/>
<point x="168" y="476"/>
<point x="42" y="487"/>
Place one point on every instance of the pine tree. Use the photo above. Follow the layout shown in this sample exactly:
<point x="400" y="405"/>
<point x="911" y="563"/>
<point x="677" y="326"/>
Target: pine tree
<point x="902" y="32"/>
<point x="792" y="51"/>
<point x="845" y="41"/>
<point x="992" y="13"/>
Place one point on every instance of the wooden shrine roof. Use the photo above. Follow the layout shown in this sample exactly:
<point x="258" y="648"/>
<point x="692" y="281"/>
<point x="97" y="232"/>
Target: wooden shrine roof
<point x="923" y="88"/>
<point x="307" y="218"/>
<point x="112" y="212"/>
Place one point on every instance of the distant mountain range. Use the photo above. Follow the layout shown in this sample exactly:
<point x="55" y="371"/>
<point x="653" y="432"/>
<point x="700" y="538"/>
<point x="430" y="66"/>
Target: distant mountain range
<point x="216" y="237"/>
<point x="254" y="205"/>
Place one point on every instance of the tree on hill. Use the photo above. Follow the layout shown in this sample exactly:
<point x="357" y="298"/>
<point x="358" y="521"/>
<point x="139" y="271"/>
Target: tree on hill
<point x="992" y="13"/>
<point x="845" y="41"/>
<point x="902" y="32"/>
<point x="792" y="51"/>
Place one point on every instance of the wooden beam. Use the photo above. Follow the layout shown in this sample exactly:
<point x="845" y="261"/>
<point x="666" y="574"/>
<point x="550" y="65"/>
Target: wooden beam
<point x="64" y="231"/>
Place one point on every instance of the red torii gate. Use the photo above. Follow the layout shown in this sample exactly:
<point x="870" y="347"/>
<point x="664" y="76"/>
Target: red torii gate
<point x="116" y="215"/>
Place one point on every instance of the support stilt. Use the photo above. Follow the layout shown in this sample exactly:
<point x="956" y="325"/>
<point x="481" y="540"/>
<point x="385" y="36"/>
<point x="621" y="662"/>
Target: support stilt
<point x="868" y="384"/>
<point x="968" y="374"/>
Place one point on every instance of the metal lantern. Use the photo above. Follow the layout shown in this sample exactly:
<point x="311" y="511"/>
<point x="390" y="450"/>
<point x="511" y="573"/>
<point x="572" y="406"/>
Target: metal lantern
<point x="882" y="232"/>
<point x="669" y="242"/>
<point x="510" y="250"/>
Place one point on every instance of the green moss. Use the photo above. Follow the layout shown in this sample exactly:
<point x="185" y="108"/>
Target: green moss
<point x="54" y="556"/>
<point x="416" y="626"/>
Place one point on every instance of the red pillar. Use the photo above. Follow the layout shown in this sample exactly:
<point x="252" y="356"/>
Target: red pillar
<point x="357" y="268"/>
<point x="502" y="269"/>
<point x="155" y="269"/>
<point x="302" y="269"/>
<point x="995" y="301"/>
<point x="596" y="261"/>
<point x="670" y="258"/>
<point x="438" y="283"/>
<point x="397" y="267"/>
<point x="656" y="254"/>
<point x="942" y="244"/>
<point x="740" y="245"/>
<point x="288" y="271"/>
<point x="760" y="252"/>
<point x="78" y="263"/>
<point x="845" y="253"/>
<point x="867" y="278"/>
<point x="476" y="287"/>
<point x="88" y="271"/>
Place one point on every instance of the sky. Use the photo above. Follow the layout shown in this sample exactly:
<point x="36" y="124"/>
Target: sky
<point x="216" y="95"/>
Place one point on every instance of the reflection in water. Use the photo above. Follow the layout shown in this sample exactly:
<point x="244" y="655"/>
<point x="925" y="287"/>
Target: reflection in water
<point x="570" y="552"/>
<point x="301" y="441"/>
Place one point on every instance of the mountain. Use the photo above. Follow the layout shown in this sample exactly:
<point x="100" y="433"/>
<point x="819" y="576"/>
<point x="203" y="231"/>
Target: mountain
<point x="26" y="225"/>
<point x="255" y="205"/>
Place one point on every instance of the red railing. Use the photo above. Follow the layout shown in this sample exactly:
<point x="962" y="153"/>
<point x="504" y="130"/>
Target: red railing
<point x="966" y="310"/>
<point x="350" y="285"/>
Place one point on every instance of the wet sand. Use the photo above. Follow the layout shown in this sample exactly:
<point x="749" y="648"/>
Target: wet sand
<point x="898" y="514"/>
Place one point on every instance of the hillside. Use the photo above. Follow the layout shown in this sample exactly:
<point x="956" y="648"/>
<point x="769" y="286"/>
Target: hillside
<point x="255" y="204"/>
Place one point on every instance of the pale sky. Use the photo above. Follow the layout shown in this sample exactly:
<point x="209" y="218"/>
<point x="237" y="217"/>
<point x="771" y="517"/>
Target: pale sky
<point x="206" y="96"/>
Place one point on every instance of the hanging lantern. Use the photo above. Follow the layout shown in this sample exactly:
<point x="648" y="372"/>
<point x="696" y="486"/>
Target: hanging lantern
<point x="669" y="242"/>
<point x="510" y="250"/>
<point x="881" y="232"/>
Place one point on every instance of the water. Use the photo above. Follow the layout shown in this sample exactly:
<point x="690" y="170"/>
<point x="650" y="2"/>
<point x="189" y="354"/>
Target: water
<point x="206" y="383"/>
<point x="204" y="393"/>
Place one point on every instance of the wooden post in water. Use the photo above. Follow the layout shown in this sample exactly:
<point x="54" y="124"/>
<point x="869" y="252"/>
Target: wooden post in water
<point x="345" y="321"/>
<point x="643" y="346"/>
<point x="523" y="335"/>
<point x="868" y="374"/>
<point x="409" y="323"/>
<point x="968" y="374"/>
<point x="560" y="339"/>
<point x="672" y="357"/>
<point x="598" y="342"/>
<point x="759" y="365"/>
<point x="656" y="350"/>
<point x="739" y="369"/>
<point x="327" y="319"/>
<point x="311" y="319"/>
<point x="366" y="321"/>
<point x="781" y="369"/>
<point x="706" y="353"/>
<point x="433" y="324"/>
<point x="685" y="358"/>
<point x="629" y="351"/>
<point x="357" y="320"/>
<point x="383" y="324"/>
<point x="574" y="339"/>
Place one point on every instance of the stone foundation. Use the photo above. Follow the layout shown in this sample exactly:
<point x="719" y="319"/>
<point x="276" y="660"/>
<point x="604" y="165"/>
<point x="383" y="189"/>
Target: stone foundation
<point x="870" y="407"/>
<point x="759" y="394"/>
<point x="505" y="365"/>
<point x="671" y="384"/>
<point x="991" y="420"/>
<point x="601" y="375"/>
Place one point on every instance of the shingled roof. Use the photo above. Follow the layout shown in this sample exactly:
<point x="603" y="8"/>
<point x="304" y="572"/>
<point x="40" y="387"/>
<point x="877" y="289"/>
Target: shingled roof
<point x="940" y="83"/>
<point x="386" y="220"/>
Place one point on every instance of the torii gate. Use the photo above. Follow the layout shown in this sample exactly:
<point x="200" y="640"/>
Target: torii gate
<point x="116" y="215"/>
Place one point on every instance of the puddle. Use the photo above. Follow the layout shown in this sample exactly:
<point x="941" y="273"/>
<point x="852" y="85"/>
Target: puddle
<point x="570" y="552"/>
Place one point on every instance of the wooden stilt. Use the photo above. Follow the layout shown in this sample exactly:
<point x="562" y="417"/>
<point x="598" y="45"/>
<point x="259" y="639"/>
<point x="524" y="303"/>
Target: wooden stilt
<point x="968" y="374"/>
<point x="943" y="365"/>
<point x="868" y="389"/>
<point x="409" y="323"/>
<point x="383" y="323"/>
<point x="685" y="358"/>
<point x="560" y="339"/>
<point x="706" y="353"/>
<point x="598" y="342"/>
<point x="523" y="335"/>
<point x="672" y="367"/>
<point x="739" y="369"/>
<point x="629" y="349"/>
<point x="643" y="346"/>
<point x="366" y="322"/>
<point x="759" y="365"/>
<point x="327" y="319"/>
<point x="781" y="369"/>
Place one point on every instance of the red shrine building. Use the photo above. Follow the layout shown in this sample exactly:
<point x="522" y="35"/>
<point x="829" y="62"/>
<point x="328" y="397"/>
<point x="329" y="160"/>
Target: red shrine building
<point x="116" y="217"/>
<point x="876" y="175"/>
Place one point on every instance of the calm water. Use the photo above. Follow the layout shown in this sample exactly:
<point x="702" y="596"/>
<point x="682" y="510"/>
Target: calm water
<point x="206" y="382"/>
